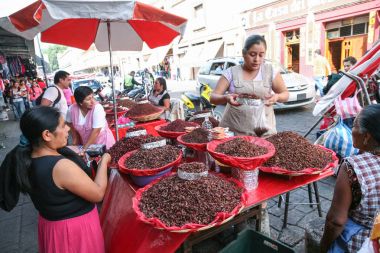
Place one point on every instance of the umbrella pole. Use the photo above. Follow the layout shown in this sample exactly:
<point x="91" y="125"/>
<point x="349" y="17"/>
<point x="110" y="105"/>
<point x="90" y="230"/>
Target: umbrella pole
<point x="112" y="81"/>
<point x="42" y="60"/>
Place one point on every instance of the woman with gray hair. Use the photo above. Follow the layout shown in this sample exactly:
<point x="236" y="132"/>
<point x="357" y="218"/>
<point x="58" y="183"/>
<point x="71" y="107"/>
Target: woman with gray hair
<point x="356" y="198"/>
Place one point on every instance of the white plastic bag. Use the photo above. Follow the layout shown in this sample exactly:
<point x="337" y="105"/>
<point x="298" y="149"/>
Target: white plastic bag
<point x="259" y="120"/>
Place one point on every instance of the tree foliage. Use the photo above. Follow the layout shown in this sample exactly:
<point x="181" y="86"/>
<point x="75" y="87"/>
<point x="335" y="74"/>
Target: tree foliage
<point x="52" y="52"/>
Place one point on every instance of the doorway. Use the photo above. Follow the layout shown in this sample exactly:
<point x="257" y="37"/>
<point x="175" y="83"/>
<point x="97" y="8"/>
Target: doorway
<point x="293" y="57"/>
<point x="335" y="55"/>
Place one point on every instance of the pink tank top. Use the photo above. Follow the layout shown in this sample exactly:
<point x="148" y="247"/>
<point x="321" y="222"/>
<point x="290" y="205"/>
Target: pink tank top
<point x="105" y="136"/>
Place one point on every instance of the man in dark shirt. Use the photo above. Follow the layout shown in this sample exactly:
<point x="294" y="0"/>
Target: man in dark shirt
<point x="333" y="78"/>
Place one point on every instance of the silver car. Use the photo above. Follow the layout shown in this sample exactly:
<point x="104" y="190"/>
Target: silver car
<point x="301" y="88"/>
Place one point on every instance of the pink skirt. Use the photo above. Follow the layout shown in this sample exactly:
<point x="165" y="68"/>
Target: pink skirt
<point x="74" y="235"/>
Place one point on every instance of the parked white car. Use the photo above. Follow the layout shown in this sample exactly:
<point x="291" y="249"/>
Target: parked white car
<point x="301" y="88"/>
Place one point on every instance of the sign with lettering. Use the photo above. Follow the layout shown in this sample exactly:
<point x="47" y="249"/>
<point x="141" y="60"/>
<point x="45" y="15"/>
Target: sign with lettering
<point x="290" y="9"/>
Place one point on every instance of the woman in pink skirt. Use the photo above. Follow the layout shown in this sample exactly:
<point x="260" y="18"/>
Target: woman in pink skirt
<point x="60" y="188"/>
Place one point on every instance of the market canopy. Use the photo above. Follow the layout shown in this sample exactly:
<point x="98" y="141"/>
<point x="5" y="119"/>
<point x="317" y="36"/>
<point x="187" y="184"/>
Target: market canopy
<point x="197" y="55"/>
<point x="111" y="25"/>
<point x="80" y="23"/>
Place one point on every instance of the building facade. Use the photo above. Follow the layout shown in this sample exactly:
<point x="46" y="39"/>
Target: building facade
<point x="214" y="29"/>
<point x="294" y="29"/>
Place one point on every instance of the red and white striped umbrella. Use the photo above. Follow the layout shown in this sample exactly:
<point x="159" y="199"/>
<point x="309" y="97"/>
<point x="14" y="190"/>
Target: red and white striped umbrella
<point x="112" y="25"/>
<point x="79" y="23"/>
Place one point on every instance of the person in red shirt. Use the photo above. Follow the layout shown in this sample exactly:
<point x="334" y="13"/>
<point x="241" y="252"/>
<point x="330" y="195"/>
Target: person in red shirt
<point x="34" y="92"/>
<point x="41" y="83"/>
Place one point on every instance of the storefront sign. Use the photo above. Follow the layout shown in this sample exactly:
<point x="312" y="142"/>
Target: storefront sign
<point x="291" y="8"/>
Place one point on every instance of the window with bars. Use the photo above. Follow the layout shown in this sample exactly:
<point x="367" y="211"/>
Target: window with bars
<point x="349" y="30"/>
<point x="346" y="31"/>
<point x="359" y="29"/>
<point x="292" y="36"/>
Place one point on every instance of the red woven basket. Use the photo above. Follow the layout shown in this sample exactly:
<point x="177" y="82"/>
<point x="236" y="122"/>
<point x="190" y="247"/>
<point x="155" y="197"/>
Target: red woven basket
<point x="145" y="172"/>
<point x="220" y="218"/>
<point x="119" y="114"/>
<point x="307" y="171"/>
<point x="244" y="163"/>
<point x="169" y="134"/>
<point x="196" y="146"/>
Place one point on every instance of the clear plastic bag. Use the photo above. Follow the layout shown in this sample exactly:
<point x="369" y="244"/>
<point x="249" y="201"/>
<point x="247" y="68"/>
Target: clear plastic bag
<point x="259" y="121"/>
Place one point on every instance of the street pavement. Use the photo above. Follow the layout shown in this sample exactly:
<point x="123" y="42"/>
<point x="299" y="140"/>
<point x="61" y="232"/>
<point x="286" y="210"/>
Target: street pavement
<point x="18" y="228"/>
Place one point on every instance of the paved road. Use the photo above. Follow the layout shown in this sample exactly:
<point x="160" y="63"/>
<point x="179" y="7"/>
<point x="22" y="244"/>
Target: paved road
<point x="18" y="228"/>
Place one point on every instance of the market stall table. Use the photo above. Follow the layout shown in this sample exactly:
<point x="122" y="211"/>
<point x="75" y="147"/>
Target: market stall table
<point x="149" y="126"/>
<point x="123" y="232"/>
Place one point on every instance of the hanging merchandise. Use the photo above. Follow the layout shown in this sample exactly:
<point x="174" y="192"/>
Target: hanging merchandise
<point x="6" y="73"/>
<point x="15" y="65"/>
<point x="29" y="68"/>
<point x="20" y="67"/>
<point x="348" y="107"/>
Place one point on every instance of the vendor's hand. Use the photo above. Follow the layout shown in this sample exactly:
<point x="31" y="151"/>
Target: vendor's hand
<point x="271" y="99"/>
<point x="106" y="157"/>
<point x="231" y="99"/>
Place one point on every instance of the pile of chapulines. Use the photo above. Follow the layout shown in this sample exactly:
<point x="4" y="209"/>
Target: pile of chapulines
<point x="193" y="167"/>
<point x="178" y="125"/>
<point x="240" y="148"/>
<point x="142" y="110"/>
<point x="198" y="135"/>
<point x="177" y="202"/>
<point x="152" y="158"/>
<point x="295" y="153"/>
<point x="124" y="146"/>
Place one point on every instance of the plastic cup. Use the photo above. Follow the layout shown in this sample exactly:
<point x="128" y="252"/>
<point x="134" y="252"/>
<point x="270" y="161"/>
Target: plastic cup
<point x="249" y="178"/>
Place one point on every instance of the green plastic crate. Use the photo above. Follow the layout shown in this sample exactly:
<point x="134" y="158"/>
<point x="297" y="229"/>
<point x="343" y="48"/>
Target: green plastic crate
<point x="251" y="241"/>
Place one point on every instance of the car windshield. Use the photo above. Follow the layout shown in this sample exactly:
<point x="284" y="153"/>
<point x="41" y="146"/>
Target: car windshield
<point x="91" y="83"/>
<point x="279" y="67"/>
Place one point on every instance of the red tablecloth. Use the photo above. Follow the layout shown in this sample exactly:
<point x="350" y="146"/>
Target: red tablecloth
<point x="149" y="126"/>
<point x="124" y="233"/>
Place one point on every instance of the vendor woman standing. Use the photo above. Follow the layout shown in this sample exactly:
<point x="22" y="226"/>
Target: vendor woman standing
<point x="159" y="96"/>
<point x="87" y="120"/>
<point x="259" y="80"/>
<point x="255" y="78"/>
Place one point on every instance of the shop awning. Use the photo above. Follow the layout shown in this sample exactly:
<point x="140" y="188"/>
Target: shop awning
<point x="210" y="50"/>
<point x="192" y="55"/>
<point x="197" y="55"/>
<point x="158" y="55"/>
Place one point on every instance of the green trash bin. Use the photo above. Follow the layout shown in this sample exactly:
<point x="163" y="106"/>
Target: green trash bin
<point x="251" y="241"/>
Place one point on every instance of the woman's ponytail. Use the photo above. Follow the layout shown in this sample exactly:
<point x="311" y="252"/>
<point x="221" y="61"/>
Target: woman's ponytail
<point x="22" y="163"/>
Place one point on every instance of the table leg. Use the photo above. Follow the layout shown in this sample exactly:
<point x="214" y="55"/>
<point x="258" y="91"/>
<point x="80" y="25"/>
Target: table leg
<point x="258" y="219"/>
<point x="315" y="185"/>
<point x="279" y="201"/>
<point x="310" y="195"/>
<point x="286" y="210"/>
